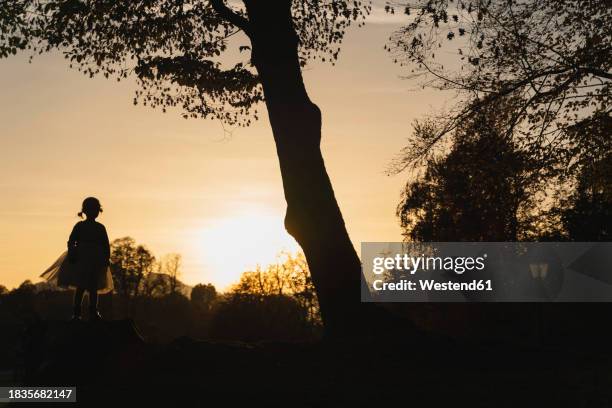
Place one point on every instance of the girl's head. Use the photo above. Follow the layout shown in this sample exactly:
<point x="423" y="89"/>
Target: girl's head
<point x="91" y="208"/>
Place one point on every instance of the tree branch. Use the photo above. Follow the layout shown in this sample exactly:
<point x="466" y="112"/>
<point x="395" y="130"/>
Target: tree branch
<point x="597" y="72"/>
<point x="228" y="14"/>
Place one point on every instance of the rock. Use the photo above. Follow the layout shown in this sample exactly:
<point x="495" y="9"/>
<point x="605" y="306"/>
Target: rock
<point x="76" y="352"/>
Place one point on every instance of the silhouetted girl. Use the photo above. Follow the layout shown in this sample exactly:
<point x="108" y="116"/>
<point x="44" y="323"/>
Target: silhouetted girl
<point x="85" y="265"/>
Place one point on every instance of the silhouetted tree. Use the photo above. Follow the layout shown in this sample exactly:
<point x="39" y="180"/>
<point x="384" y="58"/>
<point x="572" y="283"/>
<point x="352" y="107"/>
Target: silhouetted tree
<point x="21" y="299"/>
<point x="551" y="57"/>
<point x="301" y="286"/>
<point x="482" y="190"/>
<point x="588" y="216"/>
<point x="173" y="48"/>
<point x="130" y="264"/>
<point x="203" y="295"/>
<point x="290" y="276"/>
<point x="261" y="282"/>
<point x="155" y="284"/>
<point x="171" y="266"/>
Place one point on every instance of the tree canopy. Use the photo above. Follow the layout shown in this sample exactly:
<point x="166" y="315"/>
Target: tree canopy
<point x="130" y="264"/>
<point x="482" y="190"/>
<point x="551" y="58"/>
<point x="174" y="48"/>
<point x="587" y="214"/>
<point x="289" y="276"/>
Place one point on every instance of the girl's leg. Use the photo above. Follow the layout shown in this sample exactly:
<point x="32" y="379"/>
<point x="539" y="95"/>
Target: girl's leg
<point x="78" y="299"/>
<point x="93" y="303"/>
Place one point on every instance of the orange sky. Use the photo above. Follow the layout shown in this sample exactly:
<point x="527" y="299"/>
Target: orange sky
<point x="184" y="185"/>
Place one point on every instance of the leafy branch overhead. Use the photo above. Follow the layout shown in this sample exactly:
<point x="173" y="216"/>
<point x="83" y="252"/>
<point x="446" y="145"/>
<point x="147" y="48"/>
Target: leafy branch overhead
<point x="14" y="30"/>
<point x="178" y="50"/>
<point x="551" y="58"/>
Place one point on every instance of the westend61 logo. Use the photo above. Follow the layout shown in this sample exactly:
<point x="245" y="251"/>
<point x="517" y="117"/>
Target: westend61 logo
<point x="412" y="264"/>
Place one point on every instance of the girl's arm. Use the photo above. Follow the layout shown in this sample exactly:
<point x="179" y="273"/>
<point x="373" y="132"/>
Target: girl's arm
<point x="72" y="243"/>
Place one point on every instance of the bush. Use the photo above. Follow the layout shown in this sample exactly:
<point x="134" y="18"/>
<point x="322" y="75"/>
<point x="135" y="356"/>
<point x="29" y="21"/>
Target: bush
<point x="249" y="317"/>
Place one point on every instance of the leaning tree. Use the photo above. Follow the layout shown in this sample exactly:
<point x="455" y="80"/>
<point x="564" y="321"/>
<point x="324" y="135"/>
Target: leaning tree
<point x="177" y="51"/>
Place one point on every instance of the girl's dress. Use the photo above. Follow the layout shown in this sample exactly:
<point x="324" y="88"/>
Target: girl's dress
<point x="85" y="264"/>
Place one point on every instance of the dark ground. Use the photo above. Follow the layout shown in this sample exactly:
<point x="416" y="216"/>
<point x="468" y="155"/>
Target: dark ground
<point x="111" y="364"/>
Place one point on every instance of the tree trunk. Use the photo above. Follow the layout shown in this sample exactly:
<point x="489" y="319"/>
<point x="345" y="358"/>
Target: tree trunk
<point x="313" y="217"/>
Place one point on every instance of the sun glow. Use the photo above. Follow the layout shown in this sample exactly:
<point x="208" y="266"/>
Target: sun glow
<point x="232" y="245"/>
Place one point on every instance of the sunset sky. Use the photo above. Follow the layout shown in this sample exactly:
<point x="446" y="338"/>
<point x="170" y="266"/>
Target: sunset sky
<point x="187" y="186"/>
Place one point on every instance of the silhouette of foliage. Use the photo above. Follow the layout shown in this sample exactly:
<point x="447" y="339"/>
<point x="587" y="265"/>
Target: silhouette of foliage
<point x="14" y="28"/>
<point x="587" y="215"/>
<point x="171" y="266"/>
<point x="552" y="58"/>
<point x="155" y="284"/>
<point x="203" y="295"/>
<point x="290" y="276"/>
<point x="163" y="314"/>
<point x="255" y="317"/>
<point x="482" y="190"/>
<point x="130" y="263"/>
<point x="172" y="47"/>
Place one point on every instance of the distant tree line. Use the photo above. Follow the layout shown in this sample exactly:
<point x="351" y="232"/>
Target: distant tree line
<point x="277" y="302"/>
